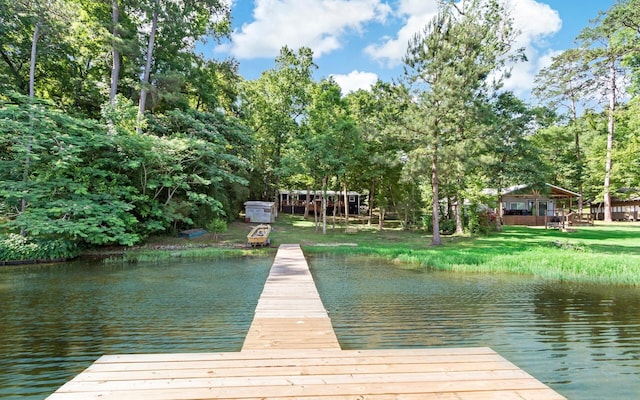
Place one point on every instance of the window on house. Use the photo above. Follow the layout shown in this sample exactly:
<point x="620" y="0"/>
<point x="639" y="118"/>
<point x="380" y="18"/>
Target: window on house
<point x="517" y="205"/>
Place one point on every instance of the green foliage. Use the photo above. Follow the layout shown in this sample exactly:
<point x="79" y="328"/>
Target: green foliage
<point x="452" y="67"/>
<point x="81" y="183"/>
<point x="481" y="222"/>
<point x="120" y="115"/>
<point x="331" y="140"/>
<point x="510" y="156"/>
<point x="216" y="226"/>
<point x="214" y="85"/>
<point x="628" y="148"/>
<point x="274" y="105"/>
<point x="447" y="226"/>
<point x="14" y="247"/>
<point x="59" y="166"/>
<point x="205" y="163"/>
<point x="426" y="222"/>
<point x="66" y="175"/>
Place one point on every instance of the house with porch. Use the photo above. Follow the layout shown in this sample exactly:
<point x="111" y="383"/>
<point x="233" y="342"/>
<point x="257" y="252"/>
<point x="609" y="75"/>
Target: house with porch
<point x="621" y="209"/>
<point x="534" y="206"/>
<point x="295" y="201"/>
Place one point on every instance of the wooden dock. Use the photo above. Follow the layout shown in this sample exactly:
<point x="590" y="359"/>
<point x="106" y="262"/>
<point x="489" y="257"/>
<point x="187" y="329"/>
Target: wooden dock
<point x="290" y="314"/>
<point x="291" y="352"/>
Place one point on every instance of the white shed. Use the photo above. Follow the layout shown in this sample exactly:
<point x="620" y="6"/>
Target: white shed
<point x="260" y="211"/>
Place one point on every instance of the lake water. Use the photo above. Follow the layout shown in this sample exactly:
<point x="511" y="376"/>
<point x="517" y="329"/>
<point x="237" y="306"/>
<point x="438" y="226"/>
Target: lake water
<point x="582" y="340"/>
<point x="55" y="320"/>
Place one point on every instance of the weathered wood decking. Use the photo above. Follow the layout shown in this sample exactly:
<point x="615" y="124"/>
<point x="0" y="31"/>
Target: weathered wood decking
<point x="291" y="352"/>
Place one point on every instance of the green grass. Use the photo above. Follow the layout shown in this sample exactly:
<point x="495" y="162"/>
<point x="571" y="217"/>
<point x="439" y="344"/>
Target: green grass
<point x="607" y="254"/>
<point x="163" y="255"/>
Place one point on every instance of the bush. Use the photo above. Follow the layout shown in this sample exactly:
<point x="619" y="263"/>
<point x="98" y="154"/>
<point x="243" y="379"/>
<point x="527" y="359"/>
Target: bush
<point x="426" y="221"/>
<point x="217" y="226"/>
<point x="447" y="226"/>
<point x="15" y="247"/>
<point x="482" y="222"/>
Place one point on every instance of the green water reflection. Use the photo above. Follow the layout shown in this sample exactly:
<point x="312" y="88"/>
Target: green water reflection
<point x="582" y="340"/>
<point x="55" y="320"/>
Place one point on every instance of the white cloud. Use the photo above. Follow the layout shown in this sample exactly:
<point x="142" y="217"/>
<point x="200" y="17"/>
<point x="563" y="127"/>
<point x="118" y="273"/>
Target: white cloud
<point x="416" y="14"/>
<point x="355" y="80"/>
<point x="547" y="59"/>
<point x="523" y="76"/>
<point x="536" y="22"/>
<point x="417" y="7"/>
<point x="318" y="24"/>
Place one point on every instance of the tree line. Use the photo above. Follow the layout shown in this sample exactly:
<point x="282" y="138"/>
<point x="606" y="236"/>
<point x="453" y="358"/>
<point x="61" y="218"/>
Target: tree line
<point x="114" y="128"/>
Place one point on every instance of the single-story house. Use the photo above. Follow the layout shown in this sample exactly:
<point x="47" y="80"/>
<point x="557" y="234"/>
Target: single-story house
<point x="621" y="210"/>
<point x="525" y="205"/>
<point x="294" y="201"/>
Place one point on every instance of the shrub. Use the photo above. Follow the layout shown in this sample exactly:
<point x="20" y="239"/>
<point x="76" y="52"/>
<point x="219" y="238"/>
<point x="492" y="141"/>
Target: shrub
<point x="15" y="247"/>
<point x="482" y="222"/>
<point x="217" y="225"/>
<point x="426" y="220"/>
<point x="447" y="226"/>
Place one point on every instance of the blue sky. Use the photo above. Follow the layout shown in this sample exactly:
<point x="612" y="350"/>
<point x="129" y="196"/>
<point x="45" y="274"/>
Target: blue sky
<point x="359" y="41"/>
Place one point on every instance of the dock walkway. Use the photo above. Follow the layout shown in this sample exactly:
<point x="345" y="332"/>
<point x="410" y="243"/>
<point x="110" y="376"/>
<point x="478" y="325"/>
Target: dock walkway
<point x="291" y="352"/>
<point x="290" y="314"/>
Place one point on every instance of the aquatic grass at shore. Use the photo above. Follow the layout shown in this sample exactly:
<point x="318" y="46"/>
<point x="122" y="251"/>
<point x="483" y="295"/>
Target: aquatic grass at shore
<point x="158" y="255"/>
<point x="604" y="254"/>
<point x="607" y="254"/>
<point x="561" y="266"/>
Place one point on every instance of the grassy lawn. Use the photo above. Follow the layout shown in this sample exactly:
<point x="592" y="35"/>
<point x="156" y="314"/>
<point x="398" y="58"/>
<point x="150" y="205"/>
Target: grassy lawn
<point x="600" y="254"/>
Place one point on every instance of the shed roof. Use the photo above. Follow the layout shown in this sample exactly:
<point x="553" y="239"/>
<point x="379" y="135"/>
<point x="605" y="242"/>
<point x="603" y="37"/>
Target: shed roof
<point x="259" y="203"/>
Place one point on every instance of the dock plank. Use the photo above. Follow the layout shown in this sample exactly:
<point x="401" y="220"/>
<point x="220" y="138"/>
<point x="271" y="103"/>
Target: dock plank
<point x="291" y="352"/>
<point x="201" y="370"/>
<point x="290" y="313"/>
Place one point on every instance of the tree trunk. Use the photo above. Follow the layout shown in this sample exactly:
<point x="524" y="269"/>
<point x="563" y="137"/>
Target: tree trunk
<point x="610" y="130"/>
<point x="335" y="210"/>
<point x="265" y="189"/>
<point x="406" y="218"/>
<point x="307" y="202"/>
<point x="346" y="206"/>
<point x="574" y="115"/>
<point x="436" y="200"/>
<point x="324" y="205"/>
<point x="276" y="192"/>
<point x="371" y="198"/>
<point x="115" y="67"/>
<point x="500" y="211"/>
<point x="147" y="68"/>
<point x="315" y="213"/>
<point x="458" y="214"/>
<point x="32" y="67"/>
<point x="457" y="211"/>
<point x="32" y="95"/>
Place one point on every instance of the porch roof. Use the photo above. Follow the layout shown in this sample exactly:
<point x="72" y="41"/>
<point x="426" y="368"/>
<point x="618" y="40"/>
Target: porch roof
<point x="554" y="191"/>
<point x="318" y="192"/>
<point x="618" y="202"/>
